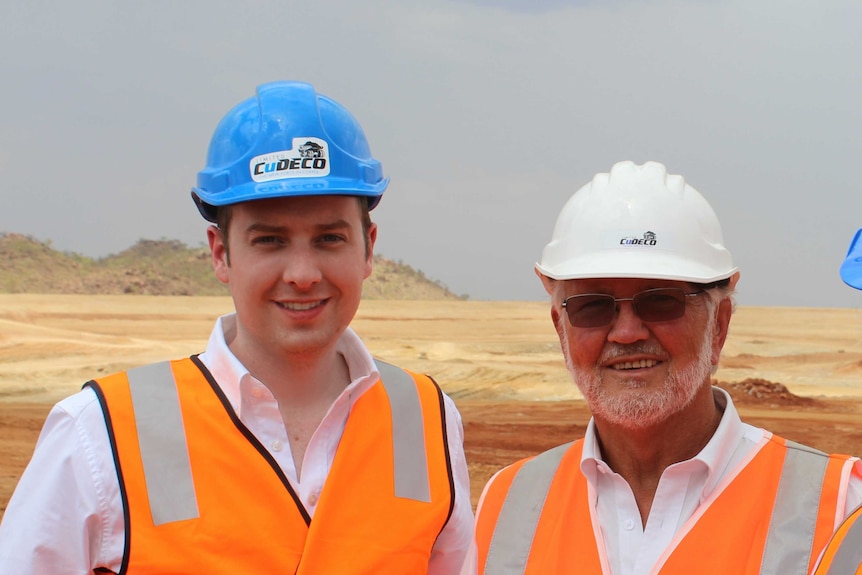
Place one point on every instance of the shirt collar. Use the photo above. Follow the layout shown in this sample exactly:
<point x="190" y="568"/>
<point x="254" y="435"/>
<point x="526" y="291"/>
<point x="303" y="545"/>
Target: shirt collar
<point x="228" y="372"/>
<point x="716" y="455"/>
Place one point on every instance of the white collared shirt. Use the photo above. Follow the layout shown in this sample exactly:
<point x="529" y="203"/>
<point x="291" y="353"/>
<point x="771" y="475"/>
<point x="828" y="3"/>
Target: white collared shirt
<point x="633" y="548"/>
<point x="42" y="532"/>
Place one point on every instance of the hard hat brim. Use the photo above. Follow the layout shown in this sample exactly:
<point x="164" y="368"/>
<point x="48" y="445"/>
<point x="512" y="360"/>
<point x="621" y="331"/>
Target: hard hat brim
<point x="286" y="189"/>
<point x="621" y="265"/>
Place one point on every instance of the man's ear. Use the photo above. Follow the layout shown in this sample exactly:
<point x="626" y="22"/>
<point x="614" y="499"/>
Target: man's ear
<point x="722" y="322"/>
<point x="733" y="280"/>
<point x="722" y="325"/>
<point x="558" y="321"/>
<point x="371" y="238"/>
<point x="218" y="254"/>
<point x="547" y="282"/>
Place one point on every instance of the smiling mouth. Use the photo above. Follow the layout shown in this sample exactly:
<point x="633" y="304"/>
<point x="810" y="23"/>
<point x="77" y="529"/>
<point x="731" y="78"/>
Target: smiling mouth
<point x="639" y="364"/>
<point x="299" y="306"/>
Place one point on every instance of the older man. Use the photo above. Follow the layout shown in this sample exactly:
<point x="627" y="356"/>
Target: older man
<point x="667" y="479"/>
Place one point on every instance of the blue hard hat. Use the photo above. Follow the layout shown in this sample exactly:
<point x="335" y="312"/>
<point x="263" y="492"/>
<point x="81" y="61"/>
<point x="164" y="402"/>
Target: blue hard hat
<point x="288" y="140"/>
<point x="851" y="269"/>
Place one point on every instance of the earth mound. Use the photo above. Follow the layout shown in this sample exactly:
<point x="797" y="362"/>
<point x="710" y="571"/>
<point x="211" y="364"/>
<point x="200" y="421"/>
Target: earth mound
<point x="756" y="391"/>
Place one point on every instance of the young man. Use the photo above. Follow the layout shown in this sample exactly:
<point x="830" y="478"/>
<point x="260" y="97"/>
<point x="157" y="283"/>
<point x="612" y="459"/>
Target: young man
<point x="284" y="447"/>
<point x="667" y="479"/>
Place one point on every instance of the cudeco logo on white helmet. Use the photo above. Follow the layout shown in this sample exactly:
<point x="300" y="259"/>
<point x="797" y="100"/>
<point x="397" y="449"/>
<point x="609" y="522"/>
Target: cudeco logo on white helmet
<point x="637" y="222"/>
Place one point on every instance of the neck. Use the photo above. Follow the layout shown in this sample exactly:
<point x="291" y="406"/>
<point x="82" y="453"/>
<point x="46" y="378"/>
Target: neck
<point x="640" y="455"/>
<point x="304" y="381"/>
<point x="302" y="378"/>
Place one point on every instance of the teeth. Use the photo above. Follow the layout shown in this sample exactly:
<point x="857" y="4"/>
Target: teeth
<point x="635" y="364"/>
<point x="295" y="306"/>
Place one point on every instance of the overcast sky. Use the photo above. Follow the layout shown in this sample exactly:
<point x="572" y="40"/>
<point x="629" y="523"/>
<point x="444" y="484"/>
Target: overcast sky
<point x="487" y="116"/>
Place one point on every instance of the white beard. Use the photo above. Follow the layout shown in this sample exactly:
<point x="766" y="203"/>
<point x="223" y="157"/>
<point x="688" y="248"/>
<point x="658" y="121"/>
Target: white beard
<point x="637" y="407"/>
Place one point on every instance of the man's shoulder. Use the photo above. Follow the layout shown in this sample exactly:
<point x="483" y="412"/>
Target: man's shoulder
<point x="393" y="373"/>
<point x="555" y="455"/>
<point x="807" y="452"/>
<point x="546" y="462"/>
<point x="156" y="366"/>
<point x="78" y="404"/>
<point x="384" y="366"/>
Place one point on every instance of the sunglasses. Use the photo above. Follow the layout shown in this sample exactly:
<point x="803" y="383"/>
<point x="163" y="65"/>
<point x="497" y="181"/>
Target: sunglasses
<point x="599" y="310"/>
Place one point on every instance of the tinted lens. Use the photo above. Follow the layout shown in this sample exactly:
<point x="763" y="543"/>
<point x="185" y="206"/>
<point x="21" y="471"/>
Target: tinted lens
<point x="662" y="304"/>
<point x="591" y="310"/>
<point x="598" y="310"/>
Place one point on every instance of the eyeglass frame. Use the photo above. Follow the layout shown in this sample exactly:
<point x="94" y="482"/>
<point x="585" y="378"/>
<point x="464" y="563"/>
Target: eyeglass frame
<point x="701" y="290"/>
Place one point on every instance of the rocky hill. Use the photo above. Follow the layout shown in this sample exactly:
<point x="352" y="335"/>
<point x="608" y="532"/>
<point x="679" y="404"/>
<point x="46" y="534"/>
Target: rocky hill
<point x="165" y="267"/>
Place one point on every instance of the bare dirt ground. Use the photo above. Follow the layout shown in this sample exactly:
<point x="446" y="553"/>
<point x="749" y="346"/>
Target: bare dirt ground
<point x="795" y="371"/>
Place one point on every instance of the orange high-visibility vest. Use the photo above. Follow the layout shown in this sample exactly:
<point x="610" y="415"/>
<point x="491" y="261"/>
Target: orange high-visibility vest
<point x="774" y="515"/>
<point x="202" y="495"/>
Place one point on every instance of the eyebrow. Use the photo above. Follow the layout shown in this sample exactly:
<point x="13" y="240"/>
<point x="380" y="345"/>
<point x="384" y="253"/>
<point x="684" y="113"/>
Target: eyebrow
<point x="271" y="228"/>
<point x="337" y="224"/>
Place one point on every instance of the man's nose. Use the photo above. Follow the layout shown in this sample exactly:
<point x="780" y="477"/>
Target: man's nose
<point x="626" y="326"/>
<point x="301" y="269"/>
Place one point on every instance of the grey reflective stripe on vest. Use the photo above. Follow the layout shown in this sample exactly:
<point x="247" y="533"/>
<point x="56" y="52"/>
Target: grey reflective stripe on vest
<point x="794" y="517"/>
<point x="408" y="433"/>
<point x="162" y="442"/>
<point x="791" y="529"/>
<point x="848" y="558"/>
<point x="519" y="516"/>
<point x="168" y="472"/>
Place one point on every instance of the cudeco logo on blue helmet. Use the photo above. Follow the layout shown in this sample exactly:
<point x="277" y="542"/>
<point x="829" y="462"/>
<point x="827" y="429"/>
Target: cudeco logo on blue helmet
<point x="288" y="140"/>
<point x="307" y="159"/>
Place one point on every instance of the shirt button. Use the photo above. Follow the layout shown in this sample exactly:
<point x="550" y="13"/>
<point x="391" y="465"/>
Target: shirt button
<point x="312" y="498"/>
<point x="629" y="524"/>
<point x="276" y="445"/>
<point x="257" y="392"/>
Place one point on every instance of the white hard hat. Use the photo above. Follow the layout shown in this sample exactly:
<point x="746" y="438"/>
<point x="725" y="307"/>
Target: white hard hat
<point x="637" y="222"/>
